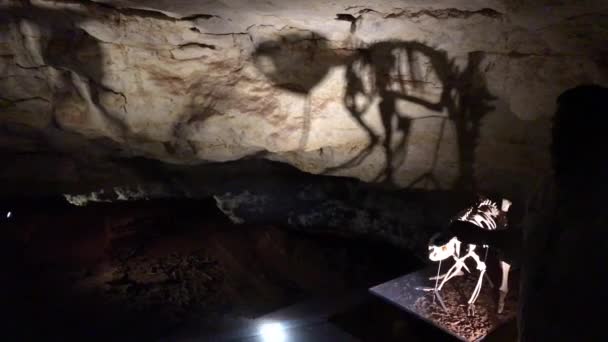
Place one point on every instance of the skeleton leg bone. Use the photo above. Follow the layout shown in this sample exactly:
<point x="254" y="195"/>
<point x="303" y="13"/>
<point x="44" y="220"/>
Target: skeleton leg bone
<point x="481" y="266"/>
<point x="504" y="286"/>
<point x="448" y="274"/>
<point x="453" y="271"/>
<point x="456" y="272"/>
<point x="456" y="268"/>
<point x="456" y="255"/>
<point x="477" y="287"/>
<point x="436" y="294"/>
<point x="484" y="260"/>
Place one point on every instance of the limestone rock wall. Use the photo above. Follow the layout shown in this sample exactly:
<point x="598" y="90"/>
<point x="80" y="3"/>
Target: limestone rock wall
<point x="422" y="94"/>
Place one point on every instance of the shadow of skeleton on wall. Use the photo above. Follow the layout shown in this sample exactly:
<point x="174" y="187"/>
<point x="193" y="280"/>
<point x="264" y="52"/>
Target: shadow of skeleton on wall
<point x="76" y="57"/>
<point x="383" y="74"/>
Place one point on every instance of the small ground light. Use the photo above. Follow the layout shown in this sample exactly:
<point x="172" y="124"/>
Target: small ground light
<point x="273" y="332"/>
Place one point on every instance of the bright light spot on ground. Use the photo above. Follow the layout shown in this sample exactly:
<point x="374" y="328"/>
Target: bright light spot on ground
<point x="8" y="215"/>
<point x="273" y="332"/>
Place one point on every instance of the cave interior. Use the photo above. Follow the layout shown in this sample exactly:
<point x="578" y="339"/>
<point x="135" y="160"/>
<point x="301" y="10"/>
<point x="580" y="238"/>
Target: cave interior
<point x="247" y="170"/>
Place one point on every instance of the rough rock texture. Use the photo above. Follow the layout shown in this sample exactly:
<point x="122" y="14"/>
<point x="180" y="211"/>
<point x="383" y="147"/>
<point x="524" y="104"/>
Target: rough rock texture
<point x="258" y="192"/>
<point x="433" y="94"/>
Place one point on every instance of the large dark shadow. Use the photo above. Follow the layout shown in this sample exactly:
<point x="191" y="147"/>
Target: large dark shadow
<point x="296" y="63"/>
<point x="386" y="73"/>
<point x="71" y="51"/>
<point x="564" y="274"/>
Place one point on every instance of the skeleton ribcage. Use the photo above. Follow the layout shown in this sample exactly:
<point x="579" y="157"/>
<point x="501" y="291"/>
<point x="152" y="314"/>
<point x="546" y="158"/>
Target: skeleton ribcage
<point x="483" y="215"/>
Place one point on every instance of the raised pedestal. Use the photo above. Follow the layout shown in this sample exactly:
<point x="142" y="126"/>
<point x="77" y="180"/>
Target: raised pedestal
<point x="407" y="293"/>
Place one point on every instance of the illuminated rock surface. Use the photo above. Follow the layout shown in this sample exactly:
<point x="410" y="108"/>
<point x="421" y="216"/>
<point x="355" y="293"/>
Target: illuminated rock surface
<point x="255" y="104"/>
<point x="434" y="94"/>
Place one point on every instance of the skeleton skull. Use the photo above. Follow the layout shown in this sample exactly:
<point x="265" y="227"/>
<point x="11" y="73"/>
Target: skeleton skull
<point x="439" y="252"/>
<point x="506" y="204"/>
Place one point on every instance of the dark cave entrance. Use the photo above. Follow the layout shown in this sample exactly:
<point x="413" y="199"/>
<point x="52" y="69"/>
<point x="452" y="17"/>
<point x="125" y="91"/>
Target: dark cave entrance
<point x="142" y="270"/>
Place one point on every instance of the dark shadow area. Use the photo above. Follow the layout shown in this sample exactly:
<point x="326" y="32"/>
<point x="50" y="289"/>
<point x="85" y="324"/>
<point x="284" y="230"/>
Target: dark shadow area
<point x="375" y="320"/>
<point x="387" y="73"/>
<point x="296" y="63"/>
<point x="564" y="274"/>
<point x="75" y="62"/>
<point x="142" y="270"/>
<point x="578" y="142"/>
<point x="77" y="56"/>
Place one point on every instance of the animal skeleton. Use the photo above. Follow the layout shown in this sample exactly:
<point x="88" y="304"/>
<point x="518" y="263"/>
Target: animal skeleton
<point x="485" y="215"/>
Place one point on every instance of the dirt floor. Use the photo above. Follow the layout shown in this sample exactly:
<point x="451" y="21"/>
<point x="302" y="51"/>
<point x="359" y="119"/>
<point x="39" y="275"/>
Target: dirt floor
<point x="139" y="271"/>
<point x="456" y="319"/>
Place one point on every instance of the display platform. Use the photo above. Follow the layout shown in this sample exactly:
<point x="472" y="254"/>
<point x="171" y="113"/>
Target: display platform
<point x="411" y="293"/>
